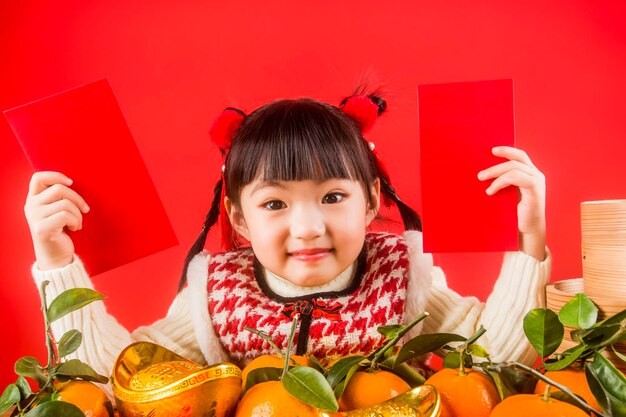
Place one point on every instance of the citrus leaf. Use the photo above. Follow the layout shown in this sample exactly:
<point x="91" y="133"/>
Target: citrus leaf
<point x="390" y="331"/>
<point x="608" y="385"/>
<point x="23" y="386"/>
<point x="425" y="343"/>
<point x="71" y="300"/>
<point x="55" y="409"/>
<point x="29" y="366"/>
<point x="340" y="369"/>
<point x="453" y="360"/>
<point x="78" y="369"/>
<point x="53" y="396"/>
<point x="543" y="330"/>
<point x="477" y="350"/>
<point x="69" y="342"/>
<point x="597" y="334"/>
<point x="579" y="312"/>
<point x="340" y="387"/>
<point x="258" y="375"/>
<point x="569" y="359"/>
<point x="9" y="398"/>
<point x="310" y="387"/>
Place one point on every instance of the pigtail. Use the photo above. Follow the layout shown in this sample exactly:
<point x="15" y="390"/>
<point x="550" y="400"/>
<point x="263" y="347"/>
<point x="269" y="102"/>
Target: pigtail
<point x="364" y="109"/>
<point x="222" y="133"/>
<point x="209" y="221"/>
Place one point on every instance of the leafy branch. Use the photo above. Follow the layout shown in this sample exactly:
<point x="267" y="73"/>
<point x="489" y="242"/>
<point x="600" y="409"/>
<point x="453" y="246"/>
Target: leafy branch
<point x="44" y="402"/>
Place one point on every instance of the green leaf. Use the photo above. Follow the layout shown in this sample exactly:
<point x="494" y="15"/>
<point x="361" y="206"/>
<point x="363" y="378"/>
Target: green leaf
<point x="29" y="366"/>
<point x="69" y="342"/>
<point x="579" y="312"/>
<point x="341" y="386"/>
<point x="453" y="360"/>
<point x="340" y="369"/>
<point x="543" y="330"/>
<point x="425" y="343"/>
<point x="78" y="369"/>
<point x="477" y="350"/>
<point x="55" y="409"/>
<point x="71" y="300"/>
<point x="53" y="396"/>
<point x="390" y="331"/>
<point x="23" y="386"/>
<point x="310" y="387"/>
<point x="9" y="398"/>
<point x="569" y="359"/>
<point x="612" y="383"/>
<point x="597" y="334"/>
<point x="256" y="376"/>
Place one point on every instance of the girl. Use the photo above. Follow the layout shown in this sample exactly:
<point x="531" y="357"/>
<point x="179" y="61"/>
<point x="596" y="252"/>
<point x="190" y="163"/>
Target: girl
<point x="300" y="186"/>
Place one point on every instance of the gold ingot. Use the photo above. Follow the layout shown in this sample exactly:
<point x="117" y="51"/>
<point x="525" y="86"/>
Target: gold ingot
<point x="150" y="380"/>
<point x="422" y="401"/>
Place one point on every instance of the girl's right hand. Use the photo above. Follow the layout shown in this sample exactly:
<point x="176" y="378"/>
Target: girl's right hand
<point x="51" y="206"/>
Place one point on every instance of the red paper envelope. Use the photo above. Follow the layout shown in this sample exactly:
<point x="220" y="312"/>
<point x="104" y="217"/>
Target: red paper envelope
<point x="459" y="124"/>
<point x="82" y="133"/>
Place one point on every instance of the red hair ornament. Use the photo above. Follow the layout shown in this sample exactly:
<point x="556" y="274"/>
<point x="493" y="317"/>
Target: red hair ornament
<point x="362" y="110"/>
<point x="222" y="132"/>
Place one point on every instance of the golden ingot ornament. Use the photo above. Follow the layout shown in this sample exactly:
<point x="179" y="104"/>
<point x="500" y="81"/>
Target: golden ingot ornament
<point x="150" y="380"/>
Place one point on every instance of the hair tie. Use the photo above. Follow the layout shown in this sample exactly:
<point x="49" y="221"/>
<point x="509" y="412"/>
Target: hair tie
<point x="361" y="109"/>
<point x="224" y="128"/>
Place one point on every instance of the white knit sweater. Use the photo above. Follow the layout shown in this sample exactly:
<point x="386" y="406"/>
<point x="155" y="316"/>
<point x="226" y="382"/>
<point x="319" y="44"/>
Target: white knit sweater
<point x="187" y="328"/>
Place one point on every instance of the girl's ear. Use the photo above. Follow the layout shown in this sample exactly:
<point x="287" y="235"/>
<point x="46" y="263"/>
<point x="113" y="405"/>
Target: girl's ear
<point x="236" y="219"/>
<point x="374" y="206"/>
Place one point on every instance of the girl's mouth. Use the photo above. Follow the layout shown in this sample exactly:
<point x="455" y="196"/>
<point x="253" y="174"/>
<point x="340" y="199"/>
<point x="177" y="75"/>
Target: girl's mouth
<point x="310" y="255"/>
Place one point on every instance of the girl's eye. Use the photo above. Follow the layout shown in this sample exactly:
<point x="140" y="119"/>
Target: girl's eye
<point x="333" y="198"/>
<point x="274" y="205"/>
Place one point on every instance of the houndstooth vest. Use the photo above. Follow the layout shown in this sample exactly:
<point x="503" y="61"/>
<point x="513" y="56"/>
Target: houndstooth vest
<point x="331" y="325"/>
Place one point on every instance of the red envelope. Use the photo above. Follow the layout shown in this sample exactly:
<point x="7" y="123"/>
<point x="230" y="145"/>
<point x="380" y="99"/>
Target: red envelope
<point x="459" y="124"/>
<point x="82" y="133"/>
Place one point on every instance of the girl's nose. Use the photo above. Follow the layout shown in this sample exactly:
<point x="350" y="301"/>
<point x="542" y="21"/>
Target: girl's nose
<point x="307" y="222"/>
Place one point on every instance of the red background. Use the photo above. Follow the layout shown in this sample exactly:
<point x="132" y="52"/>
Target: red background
<point x="175" y="64"/>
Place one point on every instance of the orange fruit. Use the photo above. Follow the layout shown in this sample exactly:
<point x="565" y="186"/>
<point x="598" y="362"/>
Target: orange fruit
<point x="369" y="388"/>
<point x="572" y="378"/>
<point x="523" y="405"/>
<point x="270" y="361"/>
<point x="470" y="394"/>
<point x="268" y="399"/>
<point x="87" y="396"/>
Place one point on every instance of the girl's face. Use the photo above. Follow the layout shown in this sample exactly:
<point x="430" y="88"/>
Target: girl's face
<point x="306" y="232"/>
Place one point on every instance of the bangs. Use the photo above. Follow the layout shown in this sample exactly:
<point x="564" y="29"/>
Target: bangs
<point x="296" y="140"/>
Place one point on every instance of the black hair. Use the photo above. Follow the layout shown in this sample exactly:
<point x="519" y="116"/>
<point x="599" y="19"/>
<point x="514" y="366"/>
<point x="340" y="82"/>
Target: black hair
<point x="294" y="140"/>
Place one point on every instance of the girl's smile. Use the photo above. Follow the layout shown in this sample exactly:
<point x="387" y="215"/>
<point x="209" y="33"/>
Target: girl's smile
<point x="306" y="232"/>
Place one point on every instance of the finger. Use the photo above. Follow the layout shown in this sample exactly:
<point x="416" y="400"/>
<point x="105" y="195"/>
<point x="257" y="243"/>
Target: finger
<point x="59" y="206"/>
<point x="515" y="178"/>
<point x="57" y="192"/>
<point x="44" y="179"/>
<point x="502" y="168"/>
<point x="513" y="154"/>
<point x="51" y="227"/>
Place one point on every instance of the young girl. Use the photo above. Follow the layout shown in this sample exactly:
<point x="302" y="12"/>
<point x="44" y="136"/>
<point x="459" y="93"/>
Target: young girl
<point x="301" y="185"/>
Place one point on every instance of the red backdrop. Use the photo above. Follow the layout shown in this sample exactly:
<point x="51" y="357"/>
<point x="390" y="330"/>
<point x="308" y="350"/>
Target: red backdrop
<point x="175" y="64"/>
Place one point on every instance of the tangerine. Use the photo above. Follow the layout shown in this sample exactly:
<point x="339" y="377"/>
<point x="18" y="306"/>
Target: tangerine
<point x="270" y="361"/>
<point x="468" y="393"/>
<point x="572" y="378"/>
<point x="87" y="396"/>
<point x="522" y="405"/>
<point x="270" y="398"/>
<point x="369" y="388"/>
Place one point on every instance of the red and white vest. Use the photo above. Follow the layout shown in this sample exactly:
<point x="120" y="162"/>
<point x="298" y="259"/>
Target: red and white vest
<point x="331" y="324"/>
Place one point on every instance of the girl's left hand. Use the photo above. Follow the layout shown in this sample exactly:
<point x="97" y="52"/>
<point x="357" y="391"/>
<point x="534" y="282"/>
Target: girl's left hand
<point x="520" y="172"/>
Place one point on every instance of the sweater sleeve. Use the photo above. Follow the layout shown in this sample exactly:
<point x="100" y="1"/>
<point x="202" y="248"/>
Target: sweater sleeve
<point x="104" y="337"/>
<point x="519" y="288"/>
